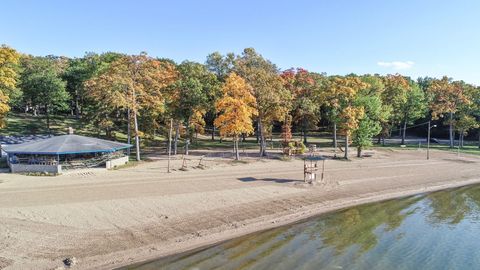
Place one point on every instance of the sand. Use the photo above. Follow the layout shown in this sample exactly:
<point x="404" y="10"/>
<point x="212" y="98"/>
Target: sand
<point x="108" y="219"/>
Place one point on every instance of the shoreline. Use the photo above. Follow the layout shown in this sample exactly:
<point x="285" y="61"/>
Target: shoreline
<point x="314" y="212"/>
<point x="114" y="219"/>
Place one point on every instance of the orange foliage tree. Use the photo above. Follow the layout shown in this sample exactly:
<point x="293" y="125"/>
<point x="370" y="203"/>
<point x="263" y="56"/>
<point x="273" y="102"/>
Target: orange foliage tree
<point x="134" y="83"/>
<point x="9" y="60"/>
<point x="236" y="109"/>
<point x="446" y="98"/>
<point x="340" y="95"/>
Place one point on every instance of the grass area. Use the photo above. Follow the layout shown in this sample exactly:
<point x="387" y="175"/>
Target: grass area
<point x="26" y="124"/>
<point x="205" y="142"/>
<point x="467" y="149"/>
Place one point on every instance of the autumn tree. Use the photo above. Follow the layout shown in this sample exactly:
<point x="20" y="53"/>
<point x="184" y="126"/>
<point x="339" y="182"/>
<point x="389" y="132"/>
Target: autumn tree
<point x="236" y="109"/>
<point x="466" y="117"/>
<point x="9" y="60"/>
<point x="132" y="83"/>
<point x="305" y="105"/>
<point x="272" y="99"/>
<point x="394" y="95"/>
<point x="447" y="97"/>
<point x="339" y="96"/>
<point x="43" y="86"/>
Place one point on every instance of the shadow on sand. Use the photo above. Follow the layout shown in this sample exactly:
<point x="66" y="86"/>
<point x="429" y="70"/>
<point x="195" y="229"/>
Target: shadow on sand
<point x="276" y="180"/>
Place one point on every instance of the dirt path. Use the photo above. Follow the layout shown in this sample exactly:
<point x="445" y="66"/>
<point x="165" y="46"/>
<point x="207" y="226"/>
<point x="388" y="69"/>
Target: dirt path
<point x="115" y="218"/>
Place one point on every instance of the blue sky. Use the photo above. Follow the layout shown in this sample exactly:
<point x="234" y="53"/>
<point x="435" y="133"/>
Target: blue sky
<point x="415" y="38"/>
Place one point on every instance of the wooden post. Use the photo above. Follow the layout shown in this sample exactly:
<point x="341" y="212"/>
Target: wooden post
<point x="184" y="163"/>
<point x="304" y="171"/>
<point x="323" y="170"/>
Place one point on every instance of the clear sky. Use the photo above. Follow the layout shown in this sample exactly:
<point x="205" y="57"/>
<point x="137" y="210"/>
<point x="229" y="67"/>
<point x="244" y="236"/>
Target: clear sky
<point x="412" y="37"/>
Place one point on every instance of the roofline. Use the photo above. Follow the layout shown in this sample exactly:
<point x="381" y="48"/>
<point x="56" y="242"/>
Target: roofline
<point x="66" y="153"/>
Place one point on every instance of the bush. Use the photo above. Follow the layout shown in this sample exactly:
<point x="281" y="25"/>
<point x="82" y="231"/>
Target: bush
<point x="301" y="148"/>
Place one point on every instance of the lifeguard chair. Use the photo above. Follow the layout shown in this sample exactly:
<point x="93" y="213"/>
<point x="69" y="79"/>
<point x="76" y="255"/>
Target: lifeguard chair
<point x="310" y="168"/>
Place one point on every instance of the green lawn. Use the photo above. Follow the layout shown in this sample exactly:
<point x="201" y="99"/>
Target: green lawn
<point x="26" y="124"/>
<point x="467" y="149"/>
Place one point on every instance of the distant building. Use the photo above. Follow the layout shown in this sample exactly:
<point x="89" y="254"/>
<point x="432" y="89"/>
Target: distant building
<point x="55" y="154"/>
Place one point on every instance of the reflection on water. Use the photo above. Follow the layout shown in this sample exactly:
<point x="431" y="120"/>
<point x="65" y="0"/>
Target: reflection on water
<point x="434" y="231"/>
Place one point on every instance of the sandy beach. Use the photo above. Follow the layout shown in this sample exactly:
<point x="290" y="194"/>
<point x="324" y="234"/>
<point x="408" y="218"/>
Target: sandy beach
<point x="108" y="219"/>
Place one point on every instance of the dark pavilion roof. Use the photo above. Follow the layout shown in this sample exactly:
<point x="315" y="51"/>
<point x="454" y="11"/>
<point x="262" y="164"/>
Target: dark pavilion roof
<point x="65" y="144"/>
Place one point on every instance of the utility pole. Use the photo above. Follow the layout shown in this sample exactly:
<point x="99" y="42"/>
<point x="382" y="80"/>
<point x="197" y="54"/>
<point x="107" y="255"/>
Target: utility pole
<point x="428" y="142"/>
<point x="428" y="139"/>
<point x="170" y="144"/>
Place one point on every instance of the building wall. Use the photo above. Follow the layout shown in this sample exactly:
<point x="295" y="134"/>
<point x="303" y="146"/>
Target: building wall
<point x="26" y="168"/>
<point x="110" y="164"/>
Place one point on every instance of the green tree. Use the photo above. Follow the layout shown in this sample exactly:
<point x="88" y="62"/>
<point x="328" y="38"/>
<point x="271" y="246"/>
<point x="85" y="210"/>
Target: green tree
<point x="43" y="86"/>
<point x="193" y="92"/>
<point x="413" y="108"/>
<point x="221" y="66"/>
<point x="80" y="70"/>
<point x="370" y="123"/>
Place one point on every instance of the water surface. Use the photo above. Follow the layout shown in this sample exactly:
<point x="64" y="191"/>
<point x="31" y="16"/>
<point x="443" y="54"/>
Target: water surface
<point x="439" y="230"/>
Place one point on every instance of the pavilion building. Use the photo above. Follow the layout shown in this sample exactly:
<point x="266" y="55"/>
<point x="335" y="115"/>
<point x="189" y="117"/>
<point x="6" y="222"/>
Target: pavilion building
<point x="65" y="152"/>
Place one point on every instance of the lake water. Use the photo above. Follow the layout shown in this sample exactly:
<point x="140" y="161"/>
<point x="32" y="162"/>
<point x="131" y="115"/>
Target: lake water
<point x="439" y="230"/>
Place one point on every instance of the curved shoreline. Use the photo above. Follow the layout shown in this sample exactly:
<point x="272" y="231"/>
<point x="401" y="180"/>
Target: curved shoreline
<point x="119" y="218"/>
<point x="289" y="219"/>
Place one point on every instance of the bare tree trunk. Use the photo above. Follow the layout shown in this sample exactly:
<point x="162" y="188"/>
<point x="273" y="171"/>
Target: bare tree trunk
<point x="346" y="146"/>
<point x="257" y="132"/>
<point x="47" y="114"/>
<point x="177" y="135"/>
<point x="235" y="145"/>
<point x="359" y="151"/>
<point x="451" y="131"/>
<point x="213" y="133"/>
<point x="187" y="137"/>
<point x="137" y="138"/>
<point x="335" y="137"/>
<point x="263" y="143"/>
<point x="404" y="133"/>
<point x="129" y="130"/>
<point x="77" y="105"/>
<point x="479" y="138"/>
<point x="462" y="134"/>
<point x="304" y="130"/>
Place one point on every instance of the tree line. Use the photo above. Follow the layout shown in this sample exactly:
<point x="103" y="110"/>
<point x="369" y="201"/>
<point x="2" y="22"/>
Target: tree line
<point x="236" y="95"/>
